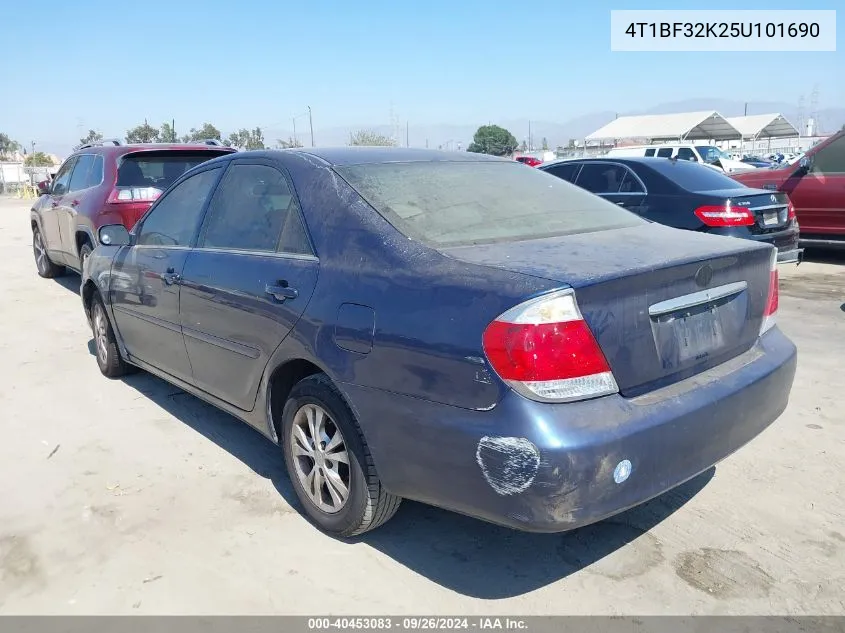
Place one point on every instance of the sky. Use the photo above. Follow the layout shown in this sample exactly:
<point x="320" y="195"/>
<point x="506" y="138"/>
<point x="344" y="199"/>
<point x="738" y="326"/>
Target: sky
<point x="71" y="66"/>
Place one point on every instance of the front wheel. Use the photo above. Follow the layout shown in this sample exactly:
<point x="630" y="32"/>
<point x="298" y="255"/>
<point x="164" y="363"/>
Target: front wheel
<point x="46" y="268"/>
<point x="329" y="463"/>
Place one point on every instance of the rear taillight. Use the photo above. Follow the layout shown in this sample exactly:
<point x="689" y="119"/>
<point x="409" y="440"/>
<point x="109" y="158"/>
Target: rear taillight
<point x="544" y="350"/>
<point x="725" y="216"/>
<point x="134" y="194"/>
<point x="790" y="211"/>
<point x="772" y="297"/>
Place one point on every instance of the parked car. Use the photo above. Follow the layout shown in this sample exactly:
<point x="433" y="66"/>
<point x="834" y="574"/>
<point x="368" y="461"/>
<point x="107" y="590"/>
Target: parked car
<point x="103" y="183"/>
<point x="709" y="155"/>
<point x="513" y="348"/>
<point x="529" y="160"/>
<point x="756" y="161"/>
<point x="816" y="186"/>
<point x="688" y="196"/>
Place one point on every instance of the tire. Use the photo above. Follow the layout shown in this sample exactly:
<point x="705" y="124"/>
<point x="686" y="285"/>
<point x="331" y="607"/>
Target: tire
<point x="84" y="251"/>
<point x="110" y="362"/>
<point x="367" y="504"/>
<point x="46" y="268"/>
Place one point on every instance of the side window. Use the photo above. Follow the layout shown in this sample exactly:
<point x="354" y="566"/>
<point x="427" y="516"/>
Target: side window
<point x="649" y="151"/>
<point x="254" y="209"/>
<point x="601" y="177"/>
<point x="664" y="152"/>
<point x="830" y="159"/>
<point x="175" y="217"/>
<point x="567" y="171"/>
<point x="60" y="184"/>
<point x="95" y="176"/>
<point x="686" y="153"/>
<point x="630" y="183"/>
<point x="79" y="179"/>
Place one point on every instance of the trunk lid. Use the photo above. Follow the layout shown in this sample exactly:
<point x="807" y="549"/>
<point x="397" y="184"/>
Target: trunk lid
<point x="663" y="304"/>
<point x="770" y="209"/>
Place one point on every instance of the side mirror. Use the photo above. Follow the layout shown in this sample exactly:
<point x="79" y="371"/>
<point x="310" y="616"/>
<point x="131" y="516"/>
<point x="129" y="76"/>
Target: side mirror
<point x="43" y="187"/>
<point x="114" y="235"/>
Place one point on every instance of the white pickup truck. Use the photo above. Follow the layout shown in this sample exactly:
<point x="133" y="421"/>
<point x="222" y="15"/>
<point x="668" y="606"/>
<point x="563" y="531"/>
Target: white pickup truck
<point x="709" y="155"/>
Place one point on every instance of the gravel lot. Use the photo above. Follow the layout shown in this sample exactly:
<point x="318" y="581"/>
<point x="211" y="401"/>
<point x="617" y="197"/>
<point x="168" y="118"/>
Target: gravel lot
<point x="131" y="496"/>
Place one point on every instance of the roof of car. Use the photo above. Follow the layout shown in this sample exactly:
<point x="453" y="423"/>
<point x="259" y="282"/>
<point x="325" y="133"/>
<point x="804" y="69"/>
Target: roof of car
<point x="126" y="148"/>
<point x="645" y="160"/>
<point x="355" y="155"/>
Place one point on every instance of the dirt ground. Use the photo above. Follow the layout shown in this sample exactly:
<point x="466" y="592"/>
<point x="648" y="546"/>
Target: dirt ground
<point x="130" y="496"/>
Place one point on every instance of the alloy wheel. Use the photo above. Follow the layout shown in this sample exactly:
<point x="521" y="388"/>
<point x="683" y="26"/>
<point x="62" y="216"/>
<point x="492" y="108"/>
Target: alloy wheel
<point x="39" y="252"/>
<point x="320" y="458"/>
<point x="101" y="334"/>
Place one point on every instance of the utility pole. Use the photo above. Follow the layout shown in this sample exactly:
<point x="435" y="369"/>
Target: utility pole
<point x="746" y="109"/>
<point x="311" y="124"/>
<point x="173" y="127"/>
<point x="426" y="143"/>
<point x="294" y="131"/>
<point x="407" y="134"/>
<point x="529" y="136"/>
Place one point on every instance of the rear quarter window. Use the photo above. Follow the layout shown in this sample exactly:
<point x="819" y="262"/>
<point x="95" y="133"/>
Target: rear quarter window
<point x="456" y="203"/>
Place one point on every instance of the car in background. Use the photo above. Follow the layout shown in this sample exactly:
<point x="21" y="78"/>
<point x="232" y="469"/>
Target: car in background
<point x="816" y="186"/>
<point x="756" y="161"/>
<point x="528" y="160"/>
<point x="566" y="361"/>
<point x="103" y="183"/>
<point x="708" y="155"/>
<point x="688" y="196"/>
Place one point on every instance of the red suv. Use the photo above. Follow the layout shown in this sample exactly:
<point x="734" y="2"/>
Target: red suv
<point x="816" y="187"/>
<point x="104" y="183"/>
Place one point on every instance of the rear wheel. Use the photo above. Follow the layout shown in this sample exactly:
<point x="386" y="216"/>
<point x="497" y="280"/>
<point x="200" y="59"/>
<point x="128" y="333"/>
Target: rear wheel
<point x="46" y="268"/>
<point x="329" y="463"/>
<point x="108" y="355"/>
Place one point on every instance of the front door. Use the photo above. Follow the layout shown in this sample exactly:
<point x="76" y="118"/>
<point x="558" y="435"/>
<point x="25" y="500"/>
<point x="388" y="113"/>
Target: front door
<point x="247" y="282"/>
<point x="819" y="195"/>
<point x="53" y="209"/>
<point x="79" y="183"/>
<point x="148" y="275"/>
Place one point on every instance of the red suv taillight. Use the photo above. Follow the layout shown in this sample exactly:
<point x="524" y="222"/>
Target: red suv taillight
<point x="790" y="211"/>
<point x="725" y="216"/>
<point x="772" y="298"/>
<point x="545" y="351"/>
<point x="134" y="194"/>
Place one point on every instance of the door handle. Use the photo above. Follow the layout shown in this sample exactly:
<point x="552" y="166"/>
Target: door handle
<point x="621" y="204"/>
<point x="281" y="291"/>
<point x="170" y="277"/>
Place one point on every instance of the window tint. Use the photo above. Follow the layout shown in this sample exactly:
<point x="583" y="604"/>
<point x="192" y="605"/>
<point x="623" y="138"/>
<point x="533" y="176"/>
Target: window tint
<point x="451" y="203"/>
<point x="601" y="177"/>
<point x="567" y="171"/>
<point x="175" y="218"/>
<point x="95" y="176"/>
<point x="664" y="152"/>
<point x="254" y="210"/>
<point x="830" y="159"/>
<point x="694" y="176"/>
<point x="649" y="152"/>
<point x="157" y="169"/>
<point x="60" y="184"/>
<point x="630" y="183"/>
<point x="686" y="153"/>
<point x="79" y="179"/>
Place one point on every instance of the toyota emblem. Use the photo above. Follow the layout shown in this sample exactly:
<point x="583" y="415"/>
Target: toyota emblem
<point x="704" y="276"/>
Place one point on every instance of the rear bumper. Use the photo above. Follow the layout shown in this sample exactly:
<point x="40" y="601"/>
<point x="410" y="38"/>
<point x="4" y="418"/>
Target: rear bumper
<point x="794" y="256"/>
<point x="550" y="467"/>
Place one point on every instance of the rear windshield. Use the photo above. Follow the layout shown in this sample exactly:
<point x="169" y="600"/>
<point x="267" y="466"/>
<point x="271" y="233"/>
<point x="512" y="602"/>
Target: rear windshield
<point x="147" y="169"/>
<point x="456" y="203"/>
<point x="694" y="177"/>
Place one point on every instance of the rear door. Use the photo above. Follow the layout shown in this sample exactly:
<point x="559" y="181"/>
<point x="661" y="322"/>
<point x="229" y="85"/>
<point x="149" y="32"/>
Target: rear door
<point x="567" y="171"/>
<point x="819" y="196"/>
<point x="613" y="182"/>
<point x="247" y="282"/>
<point x="80" y="181"/>
<point x="52" y="210"/>
<point x="146" y="307"/>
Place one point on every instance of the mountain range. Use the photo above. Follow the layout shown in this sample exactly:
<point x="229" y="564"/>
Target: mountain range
<point x="556" y="133"/>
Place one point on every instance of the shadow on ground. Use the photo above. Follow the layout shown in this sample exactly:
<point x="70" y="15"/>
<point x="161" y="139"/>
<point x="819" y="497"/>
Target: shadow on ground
<point x="69" y="281"/>
<point x="465" y="555"/>
<point x="824" y="256"/>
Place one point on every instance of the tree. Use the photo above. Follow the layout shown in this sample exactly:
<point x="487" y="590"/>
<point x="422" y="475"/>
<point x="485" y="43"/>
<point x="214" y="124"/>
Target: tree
<point x="167" y="133"/>
<point x="545" y="145"/>
<point x="7" y="146"/>
<point x="246" y="139"/>
<point x="282" y="144"/>
<point x="492" y="139"/>
<point x="370" y="138"/>
<point x="92" y="137"/>
<point x="145" y="133"/>
<point x="207" y="131"/>
<point x="38" y="159"/>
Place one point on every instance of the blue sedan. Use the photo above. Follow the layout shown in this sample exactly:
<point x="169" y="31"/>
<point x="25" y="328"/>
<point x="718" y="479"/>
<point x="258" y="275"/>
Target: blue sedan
<point x="451" y="328"/>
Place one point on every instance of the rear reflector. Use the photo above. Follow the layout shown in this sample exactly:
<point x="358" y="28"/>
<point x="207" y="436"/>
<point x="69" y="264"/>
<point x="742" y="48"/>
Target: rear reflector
<point x="725" y="216"/>
<point x="772" y="298"/>
<point x="134" y="194"/>
<point x="545" y="351"/>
